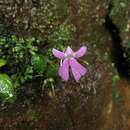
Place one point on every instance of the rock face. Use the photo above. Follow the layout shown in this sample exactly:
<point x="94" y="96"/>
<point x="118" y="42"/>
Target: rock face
<point x="120" y="11"/>
<point x="86" y="105"/>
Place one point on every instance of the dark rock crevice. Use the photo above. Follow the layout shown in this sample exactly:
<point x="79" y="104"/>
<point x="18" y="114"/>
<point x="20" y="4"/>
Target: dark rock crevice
<point x="121" y="62"/>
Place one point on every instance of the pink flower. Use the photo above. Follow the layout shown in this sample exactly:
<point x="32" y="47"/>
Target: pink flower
<point x="69" y="59"/>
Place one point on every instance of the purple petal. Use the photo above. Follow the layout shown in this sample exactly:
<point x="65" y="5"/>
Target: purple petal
<point x="82" y="70"/>
<point x="58" y="54"/>
<point x="64" y="70"/>
<point x="80" y="52"/>
<point x="68" y="51"/>
<point x="77" y="69"/>
<point x="75" y="73"/>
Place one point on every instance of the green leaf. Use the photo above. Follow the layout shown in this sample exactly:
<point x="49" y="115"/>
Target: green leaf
<point x="2" y="41"/>
<point x="52" y="71"/>
<point x="2" y="62"/>
<point x="15" y="38"/>
<point x="6" y="88"/>
<point x="115" y="78"/>
<point x="39" y="62"/>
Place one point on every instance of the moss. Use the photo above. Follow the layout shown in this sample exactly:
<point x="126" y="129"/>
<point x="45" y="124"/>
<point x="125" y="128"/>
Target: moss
<point x="119" y="13"/>
<point x="118" y="7"/>
<point x="116" y="96"/>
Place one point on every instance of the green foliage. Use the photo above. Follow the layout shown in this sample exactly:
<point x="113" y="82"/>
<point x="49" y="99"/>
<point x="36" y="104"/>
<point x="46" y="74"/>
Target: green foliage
<point x="2" y="62"/>
<point x="26" y="61"/>
<point x="6" y="85"/>
<point x="6" y="88"/>
<point x="39" y="62"/>
<point x="118" y="6"/>
<point x="49" y="83"/>
<point x="115" y="92"/>
<point x="115" y="79"/>
<point x="118" y="13"/>
<point x="52" y="71"/>
<point x="27" y="75"/>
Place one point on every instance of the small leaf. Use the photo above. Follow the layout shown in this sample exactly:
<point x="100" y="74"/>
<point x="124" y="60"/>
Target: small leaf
<point x="115" y="78"/>
<point x="39" y="62"/>
<point x="6" y="88"/>
<point x="52" y="71"/>
<point x="2" y="41"/>
<point x="15" y="38"/>
<point x="2" y="62"/>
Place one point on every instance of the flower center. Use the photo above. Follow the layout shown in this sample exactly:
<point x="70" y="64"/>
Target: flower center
<point x="69" y="56"/>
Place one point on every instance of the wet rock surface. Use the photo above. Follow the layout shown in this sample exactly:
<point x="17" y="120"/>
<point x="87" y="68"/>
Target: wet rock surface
<point x="119" y="13"/>
<point x="76" y="106"/>
<point x="87" y="105"/>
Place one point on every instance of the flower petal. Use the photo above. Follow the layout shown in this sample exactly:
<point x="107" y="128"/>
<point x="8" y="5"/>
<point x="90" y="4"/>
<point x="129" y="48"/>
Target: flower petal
<point x="77" y="69"/>
<point x="76" y="74"/>
<point x="80" y="52"/>
<point x="64" y="70"/>
<point x="68" y="51"/>
<point x="58" y="54"/>
<point x="74" y="63"/>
